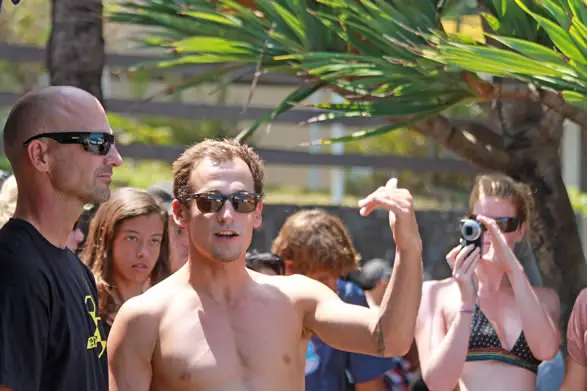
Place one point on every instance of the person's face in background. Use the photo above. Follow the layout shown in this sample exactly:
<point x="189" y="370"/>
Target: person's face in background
<point x="136" y="248"/>
<point x="178" y="245"/>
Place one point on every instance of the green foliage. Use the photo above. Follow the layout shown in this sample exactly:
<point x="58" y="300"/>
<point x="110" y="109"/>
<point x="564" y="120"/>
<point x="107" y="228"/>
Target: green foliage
<point x="386" y="58"/>
<point x="548" y="42"/>
<point x="130" y="130"/>
<point x="140" y="174"/>
<point x="167" y="131"/>
<point x="5" y="164"/>
<point x="26" y="24"/>
<point x="578" y="200"/>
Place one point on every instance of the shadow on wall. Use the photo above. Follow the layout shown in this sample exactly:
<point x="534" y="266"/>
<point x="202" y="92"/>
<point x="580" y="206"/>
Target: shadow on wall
<point x="372" y="237"/>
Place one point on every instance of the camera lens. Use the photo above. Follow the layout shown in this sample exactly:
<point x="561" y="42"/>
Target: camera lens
<point x="470" y="229"/>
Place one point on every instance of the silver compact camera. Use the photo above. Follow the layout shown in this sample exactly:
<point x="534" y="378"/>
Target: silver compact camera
<point x="471" y="233"/>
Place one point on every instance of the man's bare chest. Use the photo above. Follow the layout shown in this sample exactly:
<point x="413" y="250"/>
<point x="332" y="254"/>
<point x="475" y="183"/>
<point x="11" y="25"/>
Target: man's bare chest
<point x="206" y="347"/>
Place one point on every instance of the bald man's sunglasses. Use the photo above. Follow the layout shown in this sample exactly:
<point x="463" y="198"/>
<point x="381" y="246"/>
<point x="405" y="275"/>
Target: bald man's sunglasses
<point x="242" y="202"/>
<point x="96" y="143"/>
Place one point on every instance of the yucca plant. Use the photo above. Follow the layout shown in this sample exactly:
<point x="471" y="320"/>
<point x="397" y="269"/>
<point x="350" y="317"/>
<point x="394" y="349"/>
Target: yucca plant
<point x="393" y="60"/>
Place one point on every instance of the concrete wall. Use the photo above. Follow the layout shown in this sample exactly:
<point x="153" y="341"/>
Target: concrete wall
<point x="372" y="237"/>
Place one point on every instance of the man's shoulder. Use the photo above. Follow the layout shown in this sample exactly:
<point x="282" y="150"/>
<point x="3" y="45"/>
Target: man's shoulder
<point x="580" y="304"/>
<point x="142" y="313"/>
<point x="19" y="240"/>
<point x="581" y="297"/>
<point x="15" y="238"/>
<point x="292" y="285"/>
<point x="157" y="298"/>
<point x="296" y="287"/>
<point x="19" y="259"/>
<point x="284" y="283"/>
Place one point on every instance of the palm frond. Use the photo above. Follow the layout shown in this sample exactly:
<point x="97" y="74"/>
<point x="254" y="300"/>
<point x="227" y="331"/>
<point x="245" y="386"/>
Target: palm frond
<point x="385" y="58"/>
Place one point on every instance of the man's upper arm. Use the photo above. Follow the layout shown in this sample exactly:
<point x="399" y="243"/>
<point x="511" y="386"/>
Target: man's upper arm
<point x="24" y="324"/>
<point x="131" y="343"/>
<point x="340" y="325"/>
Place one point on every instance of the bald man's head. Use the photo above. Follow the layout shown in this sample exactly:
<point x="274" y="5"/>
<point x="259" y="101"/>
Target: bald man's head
<point x="52" y="109"/>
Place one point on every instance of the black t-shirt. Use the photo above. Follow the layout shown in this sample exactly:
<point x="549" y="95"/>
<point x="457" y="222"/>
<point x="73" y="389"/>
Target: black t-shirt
<point x="51" y="338"/>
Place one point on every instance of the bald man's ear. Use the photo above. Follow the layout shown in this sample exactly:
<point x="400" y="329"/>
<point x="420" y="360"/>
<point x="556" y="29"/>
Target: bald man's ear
<point x="38" y="156"/>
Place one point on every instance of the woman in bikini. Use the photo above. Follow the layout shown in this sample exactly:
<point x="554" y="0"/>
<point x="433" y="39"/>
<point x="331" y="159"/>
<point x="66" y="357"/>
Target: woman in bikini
<point x="486" y="327"/>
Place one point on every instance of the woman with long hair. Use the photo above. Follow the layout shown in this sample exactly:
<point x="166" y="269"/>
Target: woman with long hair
<point x="486" y="327"/>
<point x="127" y="248"/>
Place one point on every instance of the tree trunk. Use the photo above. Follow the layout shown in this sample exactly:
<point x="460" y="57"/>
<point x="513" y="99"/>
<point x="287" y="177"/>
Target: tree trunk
<point x="553" y="231"/>
<point x="532" y="135"/>
<point x="75" y="51"/>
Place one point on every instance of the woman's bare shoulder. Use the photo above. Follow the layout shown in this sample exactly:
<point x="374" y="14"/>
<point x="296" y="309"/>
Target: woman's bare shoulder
<point x="438" y="286"/>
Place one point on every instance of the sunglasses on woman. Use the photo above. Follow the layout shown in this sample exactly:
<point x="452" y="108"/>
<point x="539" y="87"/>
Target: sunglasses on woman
<point x="505" y="224"/>
<point x="96" y="143"/>
<point x="242" y="201"/>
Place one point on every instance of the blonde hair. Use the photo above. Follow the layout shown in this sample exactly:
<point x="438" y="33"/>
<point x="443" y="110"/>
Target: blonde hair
<point x="502" y="186"/>
<point x="8" y="195"/>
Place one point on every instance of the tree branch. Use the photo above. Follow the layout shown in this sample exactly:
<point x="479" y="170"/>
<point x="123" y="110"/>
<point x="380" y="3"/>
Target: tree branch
<point x="465" y="139"/>
<point x="550" y="99"/>
<point x="551" y="127"/>
<point x="483" y="131"/>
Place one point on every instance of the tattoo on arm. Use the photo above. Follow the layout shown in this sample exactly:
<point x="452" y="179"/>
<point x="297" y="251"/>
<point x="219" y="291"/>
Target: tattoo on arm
<point x="380" y="340"/>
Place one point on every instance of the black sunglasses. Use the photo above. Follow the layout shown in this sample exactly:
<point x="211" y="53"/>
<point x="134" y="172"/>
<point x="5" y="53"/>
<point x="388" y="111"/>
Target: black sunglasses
<point x="242" y="202"/>
<point x="505" y="224"/>
<point x="96" y="143"/>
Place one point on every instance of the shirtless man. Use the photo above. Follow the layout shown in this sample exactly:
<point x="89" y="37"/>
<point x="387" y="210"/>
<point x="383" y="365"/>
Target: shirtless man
<point x="62" y="151"/>
<point x="216" y="326"/>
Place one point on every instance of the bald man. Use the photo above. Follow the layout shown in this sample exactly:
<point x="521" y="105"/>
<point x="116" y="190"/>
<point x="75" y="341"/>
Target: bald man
<point x="62" y="153"/>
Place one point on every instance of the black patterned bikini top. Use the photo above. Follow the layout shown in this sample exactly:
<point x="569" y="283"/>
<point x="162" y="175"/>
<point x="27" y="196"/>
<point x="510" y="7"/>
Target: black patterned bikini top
<point x="484" y="345"/>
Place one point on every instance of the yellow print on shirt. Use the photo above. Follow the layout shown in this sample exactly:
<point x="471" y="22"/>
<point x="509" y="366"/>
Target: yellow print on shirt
<point x="95" y="340"/>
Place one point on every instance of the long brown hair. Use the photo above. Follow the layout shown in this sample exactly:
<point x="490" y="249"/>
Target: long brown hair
<point x="125" y="203"/>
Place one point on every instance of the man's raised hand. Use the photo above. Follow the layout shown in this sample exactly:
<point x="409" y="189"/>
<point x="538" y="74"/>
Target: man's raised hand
<point x="402" y="217"/>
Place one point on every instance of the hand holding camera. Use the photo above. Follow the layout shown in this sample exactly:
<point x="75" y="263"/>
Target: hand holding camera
<point x="503" y="253"/>
<point x="473" y="229"/>
<point x="463" y="261"/>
